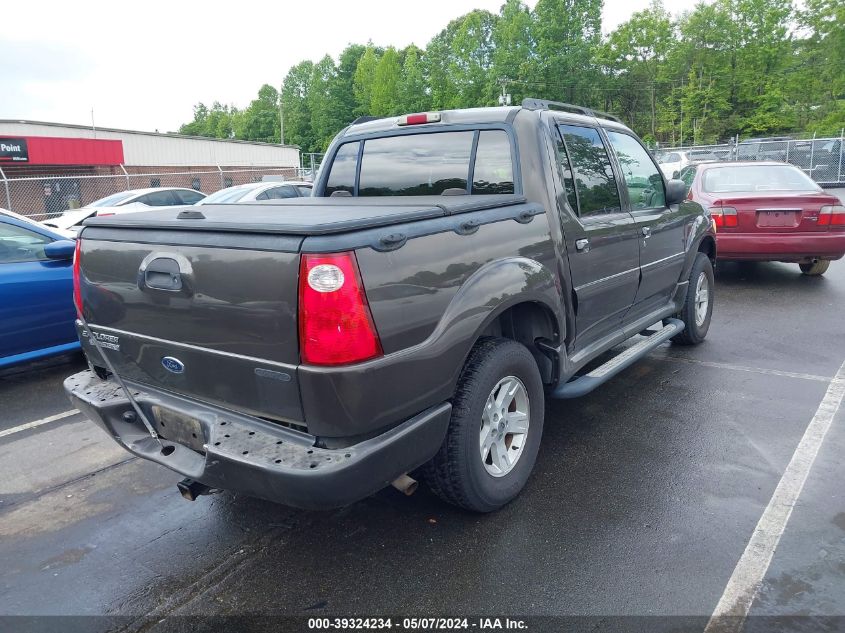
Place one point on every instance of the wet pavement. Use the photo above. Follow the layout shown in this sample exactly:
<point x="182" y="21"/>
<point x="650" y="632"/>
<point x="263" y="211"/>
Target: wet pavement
<point x="643" y="500"/>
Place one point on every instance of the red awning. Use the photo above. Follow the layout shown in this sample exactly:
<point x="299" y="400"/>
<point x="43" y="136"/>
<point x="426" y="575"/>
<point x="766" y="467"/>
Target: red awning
<point x="49" y="150"/>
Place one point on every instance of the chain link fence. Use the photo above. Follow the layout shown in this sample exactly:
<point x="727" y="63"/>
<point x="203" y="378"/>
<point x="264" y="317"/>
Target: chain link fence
<point x="45" y="196"/>
<point x="823" y="159"/>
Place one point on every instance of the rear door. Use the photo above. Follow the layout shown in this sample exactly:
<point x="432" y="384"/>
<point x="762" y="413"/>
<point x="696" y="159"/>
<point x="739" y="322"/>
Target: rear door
<point x="600" y="236"/>
<point x="660" y="229"/>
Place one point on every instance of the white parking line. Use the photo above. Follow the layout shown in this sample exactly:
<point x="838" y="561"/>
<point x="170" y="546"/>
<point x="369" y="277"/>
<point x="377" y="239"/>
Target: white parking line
<point x="32" y="425"/>
<point x="754" y="370"/>
<point x="748" y="575"/>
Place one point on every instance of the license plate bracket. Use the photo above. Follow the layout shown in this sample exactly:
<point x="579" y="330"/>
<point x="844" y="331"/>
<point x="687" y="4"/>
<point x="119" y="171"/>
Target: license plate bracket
<point x="179" y="428"/>
<point x="786" y="218"/>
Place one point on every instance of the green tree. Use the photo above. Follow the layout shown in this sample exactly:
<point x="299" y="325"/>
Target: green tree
<point x="295" y="105"/>
<point x="513" y="49"/>
<point x="413" y="92"/>
<point x="567" y="35"/>
<point x="363" y="79"/>
<point x="260" y="120"/>
<point x="459" y="62"/>
<point x="384" y="95"/>
<point x="324" y="110"/>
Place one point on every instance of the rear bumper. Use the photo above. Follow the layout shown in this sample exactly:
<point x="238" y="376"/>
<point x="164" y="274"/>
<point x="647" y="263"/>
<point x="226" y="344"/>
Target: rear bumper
<point x="781" y="246"/>
<point x="259" y="458"/>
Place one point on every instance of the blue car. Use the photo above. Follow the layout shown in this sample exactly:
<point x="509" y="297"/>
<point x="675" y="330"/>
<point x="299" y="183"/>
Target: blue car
<point x="36" y="292"/>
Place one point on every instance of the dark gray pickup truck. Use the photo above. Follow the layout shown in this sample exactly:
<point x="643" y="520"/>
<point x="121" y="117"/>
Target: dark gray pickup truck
<point x="451" y="272"/>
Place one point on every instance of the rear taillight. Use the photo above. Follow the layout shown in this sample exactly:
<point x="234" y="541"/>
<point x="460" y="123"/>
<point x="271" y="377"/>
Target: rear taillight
<point x="832" y="215"/>
<point x="100" y="214"/>
<point x="335" y="324"/>
<point x="724" y="217"/>
<point x="77" y="291"/>
<point x="419" y="119"/>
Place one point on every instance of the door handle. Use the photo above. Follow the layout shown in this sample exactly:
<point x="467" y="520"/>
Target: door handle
<point x="646" y="232"/>
<point x="582" y="245"/>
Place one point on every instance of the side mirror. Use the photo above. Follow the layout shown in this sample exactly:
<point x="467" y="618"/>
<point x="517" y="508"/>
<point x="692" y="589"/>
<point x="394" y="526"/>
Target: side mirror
<point x="676" y="191"/>
<point x="676" y="173"/>
<point x="60" y="249"/>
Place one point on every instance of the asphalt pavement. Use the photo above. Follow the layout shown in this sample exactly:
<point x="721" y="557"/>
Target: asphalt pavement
<point x="643" y="502"/>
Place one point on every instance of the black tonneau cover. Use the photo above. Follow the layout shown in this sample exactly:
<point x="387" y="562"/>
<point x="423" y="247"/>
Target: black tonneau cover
<point x="306" y="216"/>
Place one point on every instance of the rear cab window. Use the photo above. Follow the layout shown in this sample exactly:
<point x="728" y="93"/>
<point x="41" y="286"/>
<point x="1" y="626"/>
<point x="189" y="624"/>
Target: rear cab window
<point x="460" y="162"/>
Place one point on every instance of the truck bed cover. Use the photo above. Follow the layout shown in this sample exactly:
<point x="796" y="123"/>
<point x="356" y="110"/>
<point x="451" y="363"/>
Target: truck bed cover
<point x="306" y="216"/>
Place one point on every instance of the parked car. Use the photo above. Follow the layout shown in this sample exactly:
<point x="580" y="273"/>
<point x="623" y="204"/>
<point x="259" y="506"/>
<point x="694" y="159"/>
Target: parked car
<point x="671" y="163"/>
<point x="770" y="211"/>
<point x="130" y="201"/>
<point x="452" y="271"/>
<point x="259" y="191"/>
<point x="36" y="285"/>
<point x="820" y="158"/>
<point x="763" y="149"/>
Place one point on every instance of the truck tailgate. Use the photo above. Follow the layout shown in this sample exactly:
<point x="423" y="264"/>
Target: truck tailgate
<point x="198" y="314"/>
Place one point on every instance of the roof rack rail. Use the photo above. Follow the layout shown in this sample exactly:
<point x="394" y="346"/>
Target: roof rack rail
<point x="544" y="104"/>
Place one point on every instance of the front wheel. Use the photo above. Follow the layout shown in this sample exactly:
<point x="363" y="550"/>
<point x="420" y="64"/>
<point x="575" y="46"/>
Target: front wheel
<point x="494" y="433"/>
<point x="815" y="268"/>
<point x="698" y="304"/>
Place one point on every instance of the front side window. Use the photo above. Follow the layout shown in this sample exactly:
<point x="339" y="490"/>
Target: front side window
<point x="642" y="178"/>
<point x="688" y="175"/>
<point x="342" y="175"/>
<point x="18" y="244"/>
<point x="416" y="165"/>
<point x="594" y="180"/>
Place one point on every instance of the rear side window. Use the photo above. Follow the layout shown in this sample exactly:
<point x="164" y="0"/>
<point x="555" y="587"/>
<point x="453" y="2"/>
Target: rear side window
<point x="189" y="197"/>
<point x="594" y="181"/>
<point x="416" y="165"/>
<point x="159" y="199"/>
<point x="304" y="191"/>
<point x="493" y="165"/>
<point x="342" y="175"/>
<point x="278" y="193"/>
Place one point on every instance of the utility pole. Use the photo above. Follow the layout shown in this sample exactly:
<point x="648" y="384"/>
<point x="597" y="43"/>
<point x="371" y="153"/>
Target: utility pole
<point x="281" y="118"/>
<point x="504" y="98"/>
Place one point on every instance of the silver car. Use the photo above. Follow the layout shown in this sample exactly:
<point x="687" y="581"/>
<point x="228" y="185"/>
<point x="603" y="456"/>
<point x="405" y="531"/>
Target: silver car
<point x="259" y="191"/>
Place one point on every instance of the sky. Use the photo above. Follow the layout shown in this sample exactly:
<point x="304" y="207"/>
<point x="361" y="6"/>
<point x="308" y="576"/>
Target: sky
<point x="143" y="65"/>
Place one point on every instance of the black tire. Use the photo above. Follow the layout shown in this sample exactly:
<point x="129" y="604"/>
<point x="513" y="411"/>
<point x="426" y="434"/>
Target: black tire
<point x="816" y="268"/>
<point x="694" y="333"/>
<point x="457" y="473"/>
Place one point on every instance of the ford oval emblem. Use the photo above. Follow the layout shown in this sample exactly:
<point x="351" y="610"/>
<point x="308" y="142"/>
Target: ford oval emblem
<point x="173" y="365"/>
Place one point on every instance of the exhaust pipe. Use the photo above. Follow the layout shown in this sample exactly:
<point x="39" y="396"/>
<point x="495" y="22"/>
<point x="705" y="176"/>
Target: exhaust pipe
<point x="406" y="485"/>
<point x="190" y="489"/>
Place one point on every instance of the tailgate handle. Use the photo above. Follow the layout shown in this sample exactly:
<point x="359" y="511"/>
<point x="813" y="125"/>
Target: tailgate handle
<point x="163" y="273"/>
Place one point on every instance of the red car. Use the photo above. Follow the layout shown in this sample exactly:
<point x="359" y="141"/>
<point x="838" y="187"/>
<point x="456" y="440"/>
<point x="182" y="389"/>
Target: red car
<point x="769" y="211"/>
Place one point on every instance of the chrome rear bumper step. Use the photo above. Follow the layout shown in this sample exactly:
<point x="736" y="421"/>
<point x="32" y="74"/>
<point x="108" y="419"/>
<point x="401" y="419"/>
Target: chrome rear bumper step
<point x="583" y="385"/>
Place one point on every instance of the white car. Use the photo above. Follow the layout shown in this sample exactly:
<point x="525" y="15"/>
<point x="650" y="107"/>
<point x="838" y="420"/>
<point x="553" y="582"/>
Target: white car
<point x="259" y="191"/>
<point x="130" y="201"/>
<point x="671" y="163"/>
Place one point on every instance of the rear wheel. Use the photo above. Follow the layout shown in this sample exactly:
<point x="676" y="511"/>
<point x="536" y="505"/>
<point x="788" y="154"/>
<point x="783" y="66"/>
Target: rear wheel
<point x="815" y="268"/>
<point x="494" y="433"/>
<point x="698" y="304"/>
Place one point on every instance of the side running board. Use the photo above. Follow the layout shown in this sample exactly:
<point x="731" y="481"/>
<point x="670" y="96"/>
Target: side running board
<point x="586" y="383"/>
